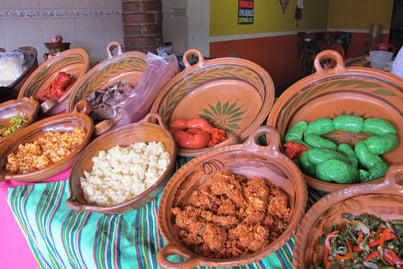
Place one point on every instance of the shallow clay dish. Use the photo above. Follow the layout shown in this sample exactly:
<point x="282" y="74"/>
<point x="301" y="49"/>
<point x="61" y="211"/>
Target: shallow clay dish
<point x="27" y="107"/>
<point x="248" y="159"/>
<point x="359" y="91"/>
<point x="30" y="64"/>
<point x="231" y="93"/>
<point x="74" y="62"/>
<point x="63" y="123"/>
<point x="124" y="66"/>
<point x="384" y="200"/>
<point x="142" y="131"/>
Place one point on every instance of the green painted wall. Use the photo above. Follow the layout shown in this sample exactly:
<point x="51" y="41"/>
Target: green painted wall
<point x="268" y="17"/>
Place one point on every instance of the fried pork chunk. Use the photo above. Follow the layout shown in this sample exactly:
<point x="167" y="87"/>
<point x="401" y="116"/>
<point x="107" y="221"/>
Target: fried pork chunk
<point x="232" y="216"/>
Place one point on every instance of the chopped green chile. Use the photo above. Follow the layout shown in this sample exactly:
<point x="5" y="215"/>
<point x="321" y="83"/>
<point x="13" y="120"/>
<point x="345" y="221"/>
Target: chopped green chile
<point x="365" y="241"/>
<point x="13" y="125"/>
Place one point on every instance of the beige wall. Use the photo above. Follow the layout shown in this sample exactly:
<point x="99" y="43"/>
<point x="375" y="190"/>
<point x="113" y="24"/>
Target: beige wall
<point x="88" y="24"/>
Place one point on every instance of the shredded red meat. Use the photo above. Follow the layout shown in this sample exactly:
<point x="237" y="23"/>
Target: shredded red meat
<point x="232" y="216"/>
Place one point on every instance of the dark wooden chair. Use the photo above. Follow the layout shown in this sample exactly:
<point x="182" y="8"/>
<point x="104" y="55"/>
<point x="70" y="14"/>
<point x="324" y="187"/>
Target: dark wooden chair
<point x="307" y="50"/>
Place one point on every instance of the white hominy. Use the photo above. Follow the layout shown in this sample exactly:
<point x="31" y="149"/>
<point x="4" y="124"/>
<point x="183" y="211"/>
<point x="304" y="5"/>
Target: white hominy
<point x="121" y="173"/>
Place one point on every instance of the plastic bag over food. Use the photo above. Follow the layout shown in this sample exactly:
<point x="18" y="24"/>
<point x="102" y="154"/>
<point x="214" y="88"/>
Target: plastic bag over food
<point x="11" y="67"/>
<point x="158" y="72"/>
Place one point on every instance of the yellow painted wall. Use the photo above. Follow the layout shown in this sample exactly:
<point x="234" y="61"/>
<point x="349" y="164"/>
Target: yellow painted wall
<point x="358" y="14"/>
<point x="268" y="17"/>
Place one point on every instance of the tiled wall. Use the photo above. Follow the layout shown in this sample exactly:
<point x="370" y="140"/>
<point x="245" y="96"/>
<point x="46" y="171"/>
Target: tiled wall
<point x="88" y="24"/>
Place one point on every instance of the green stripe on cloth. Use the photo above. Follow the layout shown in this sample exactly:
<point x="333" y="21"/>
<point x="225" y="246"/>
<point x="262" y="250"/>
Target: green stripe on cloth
<point x="62" y="238"/>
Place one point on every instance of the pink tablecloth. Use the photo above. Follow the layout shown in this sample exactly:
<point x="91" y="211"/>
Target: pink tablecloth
<point x="14" y="250"/>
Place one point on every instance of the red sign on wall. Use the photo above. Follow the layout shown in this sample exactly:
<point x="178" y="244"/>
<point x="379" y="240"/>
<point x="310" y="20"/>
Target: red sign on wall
<point x="245" y="11"/>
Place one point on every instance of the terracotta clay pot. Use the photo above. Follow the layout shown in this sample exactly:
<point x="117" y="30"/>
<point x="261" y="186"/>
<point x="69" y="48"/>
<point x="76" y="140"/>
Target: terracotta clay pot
<point x="365" y="92"/>
<point x="149" y="129"/>
<point x="384" y="200"/>
<point x="62" y="122"/>
<point x="74" y="62"/>
<point x="232" y="94"/>
<point x="248" y="159"/>
<point x="119" y="66"/>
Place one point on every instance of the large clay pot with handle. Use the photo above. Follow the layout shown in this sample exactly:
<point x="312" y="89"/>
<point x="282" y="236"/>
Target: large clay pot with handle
<point x="248" y="159"/>
<point x="328" y="93"/>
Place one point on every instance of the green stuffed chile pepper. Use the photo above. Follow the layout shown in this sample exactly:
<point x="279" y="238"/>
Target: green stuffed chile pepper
<point x="320" y="155"/>
<point x="296" y="132"/>
<point x="316" y="141"/>
<point x="349" y="123"/>
<point x="365" y="157"/>
<point x="337" y="171"/>
<point x="378" y="126"/>
<point x="306" y="166"/>
<point x="378" y="170"/>
<point x="320" y="126"/>
<point x="349" y="152"/>
<point x="381" y="144"/>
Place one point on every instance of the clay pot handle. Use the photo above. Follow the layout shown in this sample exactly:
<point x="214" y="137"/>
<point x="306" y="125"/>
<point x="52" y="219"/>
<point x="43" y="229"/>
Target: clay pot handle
<point x="191" y="52"/>
<point x="153" y="117"/>
<point x="47" y="105"/>
<point x="393" y="176"/>
<point x="106" y="125"/>
<point x="329" y="54"/>
<point x="171" y="249"/>
<point x="273" y="139"/>
<point x="111" y="46"/>
<point x="83" y="106"/>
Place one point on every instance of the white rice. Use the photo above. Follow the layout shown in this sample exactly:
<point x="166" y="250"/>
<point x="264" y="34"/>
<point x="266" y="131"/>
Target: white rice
<point x="121" y="173"/>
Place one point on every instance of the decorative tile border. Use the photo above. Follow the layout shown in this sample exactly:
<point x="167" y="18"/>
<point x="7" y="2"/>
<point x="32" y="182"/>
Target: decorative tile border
<point x="56" y="13"/>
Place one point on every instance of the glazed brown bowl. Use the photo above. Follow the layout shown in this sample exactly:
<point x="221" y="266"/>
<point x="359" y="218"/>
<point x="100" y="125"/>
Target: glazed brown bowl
<point x="247" y="159"/>
<point x="27" y="107"/>
<point x="145" y="130"/>
<point x="62" y="123"/>
<point x="365" y="92"/>
<point x="74" y="62"/>
<point x="232" y="94"/>
<point x="384" y="200"/>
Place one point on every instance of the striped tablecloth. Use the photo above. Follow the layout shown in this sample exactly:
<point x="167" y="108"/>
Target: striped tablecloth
<point x="63" y="238"/>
